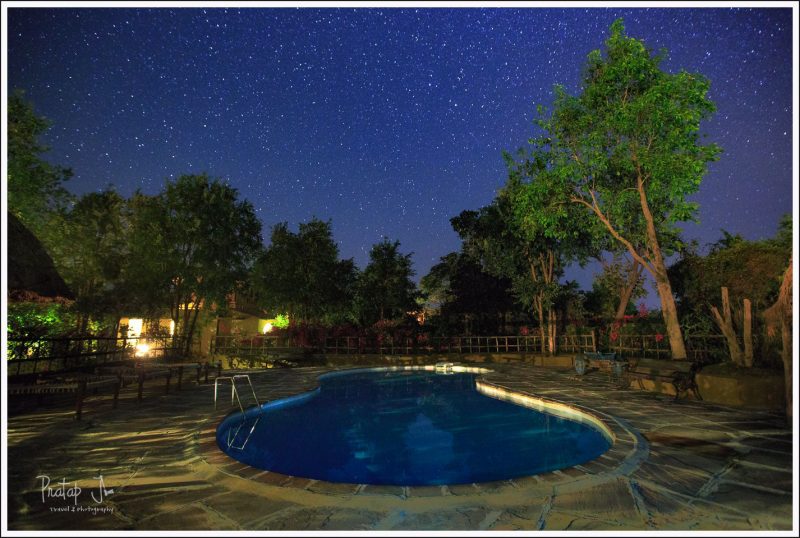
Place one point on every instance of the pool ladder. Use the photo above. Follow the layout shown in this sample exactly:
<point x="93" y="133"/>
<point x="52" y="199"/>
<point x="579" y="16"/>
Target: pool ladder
<point x="232" y="435"/>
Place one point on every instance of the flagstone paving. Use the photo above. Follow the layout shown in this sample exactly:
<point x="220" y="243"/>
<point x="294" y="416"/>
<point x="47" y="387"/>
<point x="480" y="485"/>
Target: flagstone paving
<point x="683" y="465"/>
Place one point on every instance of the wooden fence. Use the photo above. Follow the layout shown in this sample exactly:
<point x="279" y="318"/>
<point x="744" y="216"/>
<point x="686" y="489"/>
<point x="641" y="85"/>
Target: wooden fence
<point x="701" y="347"/>
<point x="358" y="345"/>
<point x="55" y="354"/>
<point x="30" y="356"/>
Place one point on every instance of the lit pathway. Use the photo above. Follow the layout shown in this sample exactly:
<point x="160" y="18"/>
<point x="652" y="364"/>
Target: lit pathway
<point x="695" y="466"/>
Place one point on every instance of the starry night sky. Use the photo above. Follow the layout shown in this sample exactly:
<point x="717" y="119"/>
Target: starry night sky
<point x="387" y="121"/>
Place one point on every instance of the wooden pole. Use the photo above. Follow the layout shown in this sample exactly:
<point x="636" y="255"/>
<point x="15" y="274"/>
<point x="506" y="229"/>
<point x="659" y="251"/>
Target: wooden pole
<point x="141" y="386"/>
<point x="79" y="398"/>
<point x="748" y="334"/>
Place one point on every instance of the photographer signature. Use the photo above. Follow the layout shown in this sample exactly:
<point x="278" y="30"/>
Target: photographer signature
<point x="71" y="490"/>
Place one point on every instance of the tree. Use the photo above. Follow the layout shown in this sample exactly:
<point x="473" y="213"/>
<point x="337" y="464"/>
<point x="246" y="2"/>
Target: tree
<point x="614" y="289"/>
<point x="749" y="269"/>
<point x="627" y="149"/>
<point x="466" y="298"/>
<point x="509" y="246"/>
<point x="745" y="273"/>
<point x="35" y="187"/>
<point x="552" y="233"/>
<point x="192" y="243"/>
<point x="385" y="288"/>
<point x="301" y="274"/>
<point x="90" y="250"/>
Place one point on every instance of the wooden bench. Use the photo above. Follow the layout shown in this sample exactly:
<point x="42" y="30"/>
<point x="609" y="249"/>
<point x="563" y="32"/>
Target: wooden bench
<point x="140" y="374"/>
<point x="70" y="383"/>
<point x="679" y="376"/>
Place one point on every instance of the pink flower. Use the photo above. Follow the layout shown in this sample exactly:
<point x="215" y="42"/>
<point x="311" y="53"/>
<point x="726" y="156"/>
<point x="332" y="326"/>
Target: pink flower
<point x="659" y="337"/>
<point x="614" y="336"/>
<point x="523" y="331"/>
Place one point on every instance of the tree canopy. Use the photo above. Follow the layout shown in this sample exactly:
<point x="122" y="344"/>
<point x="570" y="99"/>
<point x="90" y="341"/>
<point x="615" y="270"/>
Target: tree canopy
<point x="627" y="149"/>
<point x="190" y="244"/>
<point x="35" y="187"/>
<point x="301" y="274"/>
<point x="466" y="299"/>
<point x="385" y="287"/>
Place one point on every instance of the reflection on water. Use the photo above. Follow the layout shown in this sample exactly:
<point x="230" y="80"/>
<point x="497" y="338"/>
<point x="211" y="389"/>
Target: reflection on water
<point x="410" y="428"/>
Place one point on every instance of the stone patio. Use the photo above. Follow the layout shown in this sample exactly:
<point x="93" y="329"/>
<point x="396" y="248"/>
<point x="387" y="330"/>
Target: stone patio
<point x="683" y="465"/>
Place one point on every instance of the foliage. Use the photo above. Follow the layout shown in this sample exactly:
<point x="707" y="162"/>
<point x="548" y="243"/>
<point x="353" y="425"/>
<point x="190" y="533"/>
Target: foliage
<point x="465" y="299"/>
<point x="31" y="320"/>
<point x="301" y="274"/>
<point x="191" y="244"/>
<point x="89" y="249"/>
<point x="627" y="149"/>
<point x="281" y="321"/>
<point x="35" y="187"/>
<point x="385" y="289"/>
<point x="603" y="299"/>
<point x="749" y="269"/>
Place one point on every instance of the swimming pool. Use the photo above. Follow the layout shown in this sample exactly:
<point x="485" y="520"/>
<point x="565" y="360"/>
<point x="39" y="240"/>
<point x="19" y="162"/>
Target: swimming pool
<point x="409" y="427"/>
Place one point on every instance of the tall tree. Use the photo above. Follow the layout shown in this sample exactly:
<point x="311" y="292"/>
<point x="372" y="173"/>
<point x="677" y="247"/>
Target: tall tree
<point x="35" y="187"/>
<point x="194" y="240"/>
<point x="554" y="233"/>
<point x="301" y="274"/>
<point x="466" y="298"/>
<point x="493" y="236"/>
<point x="628" y="150"/>
<point x="90" y="250"/>
<point x="385" y="288"/>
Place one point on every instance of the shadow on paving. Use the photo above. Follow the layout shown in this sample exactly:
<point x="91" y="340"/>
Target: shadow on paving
<point x="708" y="468"/>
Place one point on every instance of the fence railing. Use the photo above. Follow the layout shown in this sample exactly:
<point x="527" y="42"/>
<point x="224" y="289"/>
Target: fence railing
<point x="28" y="356"/>
<point x="702" y="347"/>
<point x="39" y="355"/>
<point x="254" y="345"/>
<point x="358" y="345"/>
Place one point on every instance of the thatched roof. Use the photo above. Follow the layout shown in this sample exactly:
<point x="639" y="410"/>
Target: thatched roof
<point x="31" y="271"/>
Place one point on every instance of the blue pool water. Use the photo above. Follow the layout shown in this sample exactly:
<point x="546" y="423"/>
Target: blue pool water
<point x="405" y="428"/>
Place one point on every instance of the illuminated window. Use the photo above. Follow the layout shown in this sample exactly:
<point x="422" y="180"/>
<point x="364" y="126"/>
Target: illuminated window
<point x="135" y="327"/>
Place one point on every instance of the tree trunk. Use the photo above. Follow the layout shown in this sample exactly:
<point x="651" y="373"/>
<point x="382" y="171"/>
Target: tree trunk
<point x="185" y="325"/>
<point x="542" y="332"/>
<point x="659" y="270"/>
<point x="627" y="291"/>
<point x="725" y="323"/>
<point x="189" y="334"/>
<point x="551" y="331"/>
<point x="670" y="315"/>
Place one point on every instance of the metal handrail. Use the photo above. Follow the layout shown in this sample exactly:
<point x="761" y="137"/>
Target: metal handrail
<point x="235" y="397"/>
<point x="234" y="390"/>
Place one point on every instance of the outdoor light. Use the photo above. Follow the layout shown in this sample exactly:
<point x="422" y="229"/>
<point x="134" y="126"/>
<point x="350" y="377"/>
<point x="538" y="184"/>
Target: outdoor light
<point x="142" y="349"/>
<point x="267" y="328"/>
